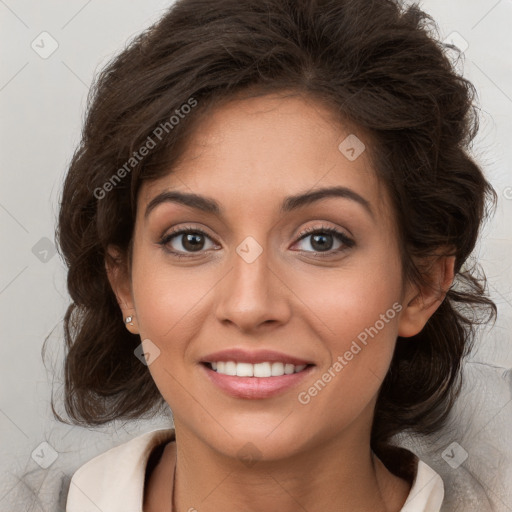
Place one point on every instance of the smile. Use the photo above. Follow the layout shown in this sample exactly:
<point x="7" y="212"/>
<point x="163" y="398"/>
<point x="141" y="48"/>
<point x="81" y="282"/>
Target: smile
<point x="264" y="369"/>
<point x="255" y="381"/>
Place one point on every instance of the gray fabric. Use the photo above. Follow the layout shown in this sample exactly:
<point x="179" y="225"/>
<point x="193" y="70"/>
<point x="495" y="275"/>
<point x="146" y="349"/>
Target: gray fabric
<point x="40" y="490"/>
<point x="481" y="424"/>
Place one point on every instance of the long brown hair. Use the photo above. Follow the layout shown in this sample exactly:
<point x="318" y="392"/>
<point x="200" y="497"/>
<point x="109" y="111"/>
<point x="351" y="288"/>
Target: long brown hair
<point x="379" y="66"/>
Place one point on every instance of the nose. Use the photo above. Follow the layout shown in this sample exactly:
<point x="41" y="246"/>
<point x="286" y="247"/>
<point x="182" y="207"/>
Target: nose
<point x="253" y="296"/>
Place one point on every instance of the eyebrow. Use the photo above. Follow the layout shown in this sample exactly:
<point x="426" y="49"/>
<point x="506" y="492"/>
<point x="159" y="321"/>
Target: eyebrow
<point x="290" y="203"/>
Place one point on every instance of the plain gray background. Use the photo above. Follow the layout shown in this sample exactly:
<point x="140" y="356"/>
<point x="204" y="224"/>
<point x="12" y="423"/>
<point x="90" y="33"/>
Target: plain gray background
<point x="42" y="102"/>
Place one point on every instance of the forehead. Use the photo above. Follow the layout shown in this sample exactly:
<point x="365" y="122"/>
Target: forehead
<point x="252" y="152"/>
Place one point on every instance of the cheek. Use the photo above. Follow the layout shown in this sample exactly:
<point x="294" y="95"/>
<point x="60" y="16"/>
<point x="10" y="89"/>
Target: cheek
<point x="167" y="304"/>
<point x="350" y="300"/>
<point x="356" y="312"/>
<point x="167" y="301"/>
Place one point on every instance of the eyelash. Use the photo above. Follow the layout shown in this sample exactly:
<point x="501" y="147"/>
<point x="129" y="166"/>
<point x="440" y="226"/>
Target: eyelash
<point x="346" y="241"/>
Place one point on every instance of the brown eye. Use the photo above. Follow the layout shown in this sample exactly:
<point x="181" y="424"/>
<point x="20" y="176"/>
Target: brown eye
<point x="322" y="240"/>
<point x="192" y="241"/>
<point x="185" y="241"/>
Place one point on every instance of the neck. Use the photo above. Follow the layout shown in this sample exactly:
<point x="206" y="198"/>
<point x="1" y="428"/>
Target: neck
<point x="352" y="480"/>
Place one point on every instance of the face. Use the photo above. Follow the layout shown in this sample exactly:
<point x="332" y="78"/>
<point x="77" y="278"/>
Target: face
<point x="263" y="264"/>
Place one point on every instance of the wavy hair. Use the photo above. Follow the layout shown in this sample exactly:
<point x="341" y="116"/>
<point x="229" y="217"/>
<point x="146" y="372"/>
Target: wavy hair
<point x="379" y="66"/>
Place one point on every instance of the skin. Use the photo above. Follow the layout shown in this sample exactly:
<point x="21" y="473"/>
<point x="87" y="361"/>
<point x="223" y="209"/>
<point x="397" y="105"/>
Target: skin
<point x="248" y="155"/>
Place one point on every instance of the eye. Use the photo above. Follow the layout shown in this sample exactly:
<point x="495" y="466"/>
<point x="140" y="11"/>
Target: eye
<point x="322" y="240"/>
<point x="183" y="241"/>
<point x="187" y="241"/>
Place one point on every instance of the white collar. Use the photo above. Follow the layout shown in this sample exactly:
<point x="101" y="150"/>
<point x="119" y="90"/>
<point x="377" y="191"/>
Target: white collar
<point x="114" y="480"/>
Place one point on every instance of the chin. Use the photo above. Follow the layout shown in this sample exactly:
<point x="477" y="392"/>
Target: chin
<point x="252" y="441"/>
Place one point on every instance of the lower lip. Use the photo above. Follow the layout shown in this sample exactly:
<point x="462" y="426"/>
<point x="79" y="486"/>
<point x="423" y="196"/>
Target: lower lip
<point x="254" y="388"/>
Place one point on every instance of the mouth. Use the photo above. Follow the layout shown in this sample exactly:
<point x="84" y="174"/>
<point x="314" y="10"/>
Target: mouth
<point x="254" y="381"/>
<point x="258" y="370"/>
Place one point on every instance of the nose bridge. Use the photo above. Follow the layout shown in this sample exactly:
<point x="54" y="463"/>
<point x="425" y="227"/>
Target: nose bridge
<point x="251" y="293"/>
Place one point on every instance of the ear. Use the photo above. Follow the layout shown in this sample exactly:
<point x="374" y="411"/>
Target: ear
<point x="421" y="303"/>
<point x="120" y="281"/>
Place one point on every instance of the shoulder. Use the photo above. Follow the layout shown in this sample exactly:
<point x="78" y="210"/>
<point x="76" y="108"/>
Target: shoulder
<point x="114" y="480"/>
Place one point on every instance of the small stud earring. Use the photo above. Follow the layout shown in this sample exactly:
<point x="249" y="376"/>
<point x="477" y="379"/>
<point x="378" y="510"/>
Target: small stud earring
<point x="128" y="320"/>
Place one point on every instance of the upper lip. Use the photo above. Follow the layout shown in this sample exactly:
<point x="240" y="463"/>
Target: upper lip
<point x="256" y="356"/>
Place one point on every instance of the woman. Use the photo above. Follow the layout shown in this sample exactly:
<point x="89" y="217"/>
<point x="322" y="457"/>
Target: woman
<point x="265" y="226"/>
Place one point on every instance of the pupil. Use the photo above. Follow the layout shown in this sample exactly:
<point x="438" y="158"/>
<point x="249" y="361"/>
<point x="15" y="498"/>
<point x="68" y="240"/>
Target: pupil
<point x="321" y="245"/>
<point x="193" y="242"/>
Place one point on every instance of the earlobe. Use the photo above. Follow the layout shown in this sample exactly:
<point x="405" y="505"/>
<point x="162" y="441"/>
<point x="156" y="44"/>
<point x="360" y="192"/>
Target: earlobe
<point x="131" y="324"/>
<point x="120" y="282"/>
<point x="421" y="303"/>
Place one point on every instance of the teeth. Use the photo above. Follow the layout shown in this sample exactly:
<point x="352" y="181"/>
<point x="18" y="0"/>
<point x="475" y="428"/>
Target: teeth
<point x="230" y="368"/>
<point x="277" y="369"/>
<point x="242" y="369"/>
<point x="256" y="370"/>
